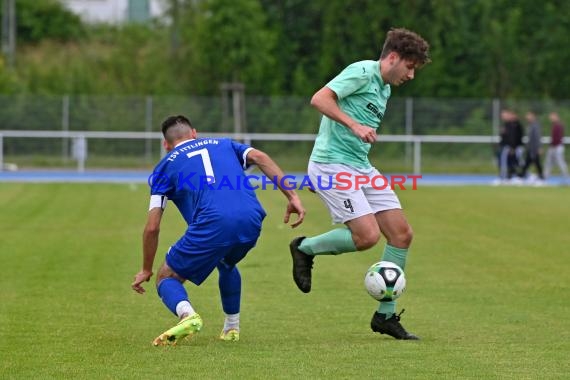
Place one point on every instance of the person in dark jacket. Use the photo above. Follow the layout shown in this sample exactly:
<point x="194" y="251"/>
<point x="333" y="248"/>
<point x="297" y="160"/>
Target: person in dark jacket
<point x="512" y="146"/>
<point x="533" y="149"/>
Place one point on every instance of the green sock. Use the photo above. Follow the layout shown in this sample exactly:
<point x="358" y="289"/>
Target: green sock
<point x="398" y="257"/>
<point x="395" y="255"/>
<point x="330" y="243"/>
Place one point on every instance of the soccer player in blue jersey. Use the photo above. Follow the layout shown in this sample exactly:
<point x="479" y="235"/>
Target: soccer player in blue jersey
<point x="205" y="179"/>
<point x="353" y="105"/>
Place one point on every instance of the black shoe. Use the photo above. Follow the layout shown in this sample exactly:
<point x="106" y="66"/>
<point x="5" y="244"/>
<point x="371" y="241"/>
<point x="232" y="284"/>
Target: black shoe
<point x="302" y="265"/>
<point x="390" y="326"/>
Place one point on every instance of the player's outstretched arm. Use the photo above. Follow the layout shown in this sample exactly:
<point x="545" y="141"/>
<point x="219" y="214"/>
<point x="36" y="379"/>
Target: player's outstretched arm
<point x="272" y="170"/>
<point x="150" y="245"/>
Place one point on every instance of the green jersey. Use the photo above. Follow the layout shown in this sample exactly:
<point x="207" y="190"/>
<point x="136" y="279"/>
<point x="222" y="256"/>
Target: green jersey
<point x="362" y="95"/>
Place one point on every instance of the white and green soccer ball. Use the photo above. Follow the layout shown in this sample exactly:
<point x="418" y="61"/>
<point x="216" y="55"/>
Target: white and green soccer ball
<point x="385" y="281"/>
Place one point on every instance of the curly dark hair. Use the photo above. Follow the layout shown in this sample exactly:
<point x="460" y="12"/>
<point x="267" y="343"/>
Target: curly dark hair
<point x="410" y="46"/>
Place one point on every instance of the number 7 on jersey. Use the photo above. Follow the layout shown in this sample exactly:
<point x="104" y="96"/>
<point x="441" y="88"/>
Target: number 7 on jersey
<point x="208" y="169"/>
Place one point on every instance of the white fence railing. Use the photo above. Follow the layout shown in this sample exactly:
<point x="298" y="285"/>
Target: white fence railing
<point x="79" y="139"/>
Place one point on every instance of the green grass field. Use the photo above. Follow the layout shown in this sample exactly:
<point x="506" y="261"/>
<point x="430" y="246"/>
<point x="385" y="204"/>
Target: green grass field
<point x="488" y="284"/>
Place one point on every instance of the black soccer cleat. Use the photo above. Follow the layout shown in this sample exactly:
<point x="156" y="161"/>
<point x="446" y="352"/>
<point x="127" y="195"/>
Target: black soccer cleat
<point x="302" y="265"/>
<point x="390" y="326"/>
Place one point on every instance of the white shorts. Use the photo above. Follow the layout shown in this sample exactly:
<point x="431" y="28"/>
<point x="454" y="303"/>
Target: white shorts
<point x="345" y="193"/>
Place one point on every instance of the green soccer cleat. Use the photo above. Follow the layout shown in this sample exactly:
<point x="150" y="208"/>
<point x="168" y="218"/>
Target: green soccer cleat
<point x="231" y="335"/>
<point x="187" y="326"/>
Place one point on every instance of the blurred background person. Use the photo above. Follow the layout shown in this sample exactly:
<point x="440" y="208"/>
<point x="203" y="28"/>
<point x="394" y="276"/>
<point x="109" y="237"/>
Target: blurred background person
<point x="502" y="160"/>
<point x="511" y="156"/>
<point x="533" y="149"/>
<point x="555" y="151"/>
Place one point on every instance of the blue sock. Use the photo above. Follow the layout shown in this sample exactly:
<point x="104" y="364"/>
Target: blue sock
<point x="229" y="283"/>
<point x="172" y="292"/>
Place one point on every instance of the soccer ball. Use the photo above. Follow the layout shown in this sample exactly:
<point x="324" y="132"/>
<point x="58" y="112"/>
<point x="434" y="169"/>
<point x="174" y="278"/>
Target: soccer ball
<point x="385" y="281"/>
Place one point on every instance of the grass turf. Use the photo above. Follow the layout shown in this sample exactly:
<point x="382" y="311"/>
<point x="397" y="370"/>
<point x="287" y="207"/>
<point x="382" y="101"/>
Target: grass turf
<point x="487" y="292"/>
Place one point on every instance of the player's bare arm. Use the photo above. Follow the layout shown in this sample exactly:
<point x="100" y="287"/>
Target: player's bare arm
<point x="325" y="100"/>
<point x="272" y="170"/>
<point x="150" y="245"/>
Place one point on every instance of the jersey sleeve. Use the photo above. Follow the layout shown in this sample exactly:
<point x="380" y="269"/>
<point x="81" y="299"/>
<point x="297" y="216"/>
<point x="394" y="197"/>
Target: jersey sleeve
<point x="160" y="183"/>
<point x="161" y="186"/>
<point x="350" y="80"/>
<point x="241" y="151"/>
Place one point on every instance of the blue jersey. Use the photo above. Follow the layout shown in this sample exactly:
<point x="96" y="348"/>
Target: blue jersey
<point x="205" y="179"/>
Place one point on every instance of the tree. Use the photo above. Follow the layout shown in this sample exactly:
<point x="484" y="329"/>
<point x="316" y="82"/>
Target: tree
<point x="46" y="19"/>
<point x="228" y="41"/>
<point x="297" y="25"/>
<point x="483" y="48"/>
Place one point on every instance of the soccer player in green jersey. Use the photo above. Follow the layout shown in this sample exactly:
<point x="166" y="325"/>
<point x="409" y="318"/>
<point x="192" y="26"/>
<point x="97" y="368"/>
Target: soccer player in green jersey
<point x="353" y="105"/>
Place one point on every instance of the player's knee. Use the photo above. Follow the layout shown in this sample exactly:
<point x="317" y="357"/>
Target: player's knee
<point x="159" y="279"/>
<point x="404" y="237"/>
<point x="366" y="240"/>
<point x="408" y="236"/>
<point x="224" y="267"/>
<point x="165" y="272"/>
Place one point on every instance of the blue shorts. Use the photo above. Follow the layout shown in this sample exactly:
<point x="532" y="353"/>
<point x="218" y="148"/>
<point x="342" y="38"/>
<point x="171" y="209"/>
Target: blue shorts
<point x="196" y="264"/>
